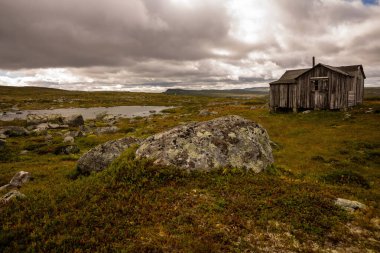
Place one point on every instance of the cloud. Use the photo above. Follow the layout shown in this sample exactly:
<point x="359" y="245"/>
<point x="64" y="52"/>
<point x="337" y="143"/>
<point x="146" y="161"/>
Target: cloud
<point x="151" y="44"/>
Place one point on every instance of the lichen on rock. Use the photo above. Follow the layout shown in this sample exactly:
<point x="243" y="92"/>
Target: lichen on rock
<point x="230" y="141"/>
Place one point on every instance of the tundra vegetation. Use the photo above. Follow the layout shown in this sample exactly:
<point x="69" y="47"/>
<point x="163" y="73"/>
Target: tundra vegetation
<point x="136" y="206"/>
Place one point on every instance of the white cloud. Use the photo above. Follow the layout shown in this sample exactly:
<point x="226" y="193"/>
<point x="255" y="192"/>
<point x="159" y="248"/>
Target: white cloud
<point x="155" y="44"/>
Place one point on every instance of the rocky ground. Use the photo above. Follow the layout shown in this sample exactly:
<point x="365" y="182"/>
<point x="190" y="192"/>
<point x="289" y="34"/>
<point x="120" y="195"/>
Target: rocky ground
<point x="192" y="179"/>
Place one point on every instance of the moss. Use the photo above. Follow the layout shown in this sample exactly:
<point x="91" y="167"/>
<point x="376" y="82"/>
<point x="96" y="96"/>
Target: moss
<point x="346" y="177"/>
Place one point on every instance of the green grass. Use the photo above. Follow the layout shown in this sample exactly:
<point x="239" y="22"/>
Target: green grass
<point x="135" y="206"/>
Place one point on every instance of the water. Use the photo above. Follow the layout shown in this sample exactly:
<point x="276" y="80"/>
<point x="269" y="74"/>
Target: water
<point x="89" y="113"/>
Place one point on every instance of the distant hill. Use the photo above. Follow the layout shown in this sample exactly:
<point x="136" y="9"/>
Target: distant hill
<point x="211" y="92"/>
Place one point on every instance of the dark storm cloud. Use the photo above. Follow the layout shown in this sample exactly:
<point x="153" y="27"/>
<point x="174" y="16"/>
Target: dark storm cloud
<point x="45" y="33"/>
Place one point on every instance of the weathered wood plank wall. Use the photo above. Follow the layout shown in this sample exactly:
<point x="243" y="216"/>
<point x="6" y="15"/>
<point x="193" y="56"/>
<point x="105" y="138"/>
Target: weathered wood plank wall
<point x="335" y="91"/>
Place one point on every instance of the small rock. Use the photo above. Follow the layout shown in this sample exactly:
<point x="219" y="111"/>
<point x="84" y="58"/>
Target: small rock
<point x="20" y="178"/>
<point x="48" y="137"/>
<point x="67" y="150"/>
<point x="6" y="187"/>
<point x="306" y="112"/>
<point x="15" y="131"/>
<point x="3" y="136"/>
<point x="109" y="118"/>
<point x="24" y="152"/>
<point x="35" y="119"/>
<point x="92" y="124"/>
<point x="11" y="195"/>
<point x="349" y="205"/>
<point x="101" y="156"/>
<point x="152" y="111"/>
<point x="101" y="115"/>
<point x="375" y="222"/>
<point x="204" y="112"/>
<point x="347" y="116"/>
<point x="106" y="130"/>
<point x="42" y="127"/>
<point x="68" y="139"/>
<point x="74" y="120"/>
<point x="74" y="134"/>
<point x="85" y="129"/>
<point x="53" y="126"/>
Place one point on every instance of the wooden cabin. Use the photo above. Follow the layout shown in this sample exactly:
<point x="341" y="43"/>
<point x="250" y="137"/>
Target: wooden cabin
<point x="319" y="87"/>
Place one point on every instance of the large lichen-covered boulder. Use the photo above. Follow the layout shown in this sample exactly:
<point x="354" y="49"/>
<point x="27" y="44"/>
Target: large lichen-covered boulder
<point x="230" y="141"/>
<point x="100" y="157"/>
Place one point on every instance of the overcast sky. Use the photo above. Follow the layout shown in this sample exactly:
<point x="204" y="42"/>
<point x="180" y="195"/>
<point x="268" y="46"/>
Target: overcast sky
<point x="152" y="45"/>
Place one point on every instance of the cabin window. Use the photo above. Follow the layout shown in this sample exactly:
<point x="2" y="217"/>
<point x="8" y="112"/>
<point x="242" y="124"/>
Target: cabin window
<point x="316" y="85"/>
<point x="319" y="83"/>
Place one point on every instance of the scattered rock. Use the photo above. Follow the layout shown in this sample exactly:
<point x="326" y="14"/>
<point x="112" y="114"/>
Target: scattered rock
<point x="375" y="222"/>
<point x="85" y="130"/>
<point x="68" y="139"/>
<point x="106" y="130"/>
<point x="306" y="112"/>
<point x="75" y="134"/>
<point x="42" y="127"/>
<point x="3" y="136"/>
<point x="6" y="187"/>
<point x="35" y="119"/>
<point x="67" y="150"/>
<point x="230" y="141"/>
<point x="101" y="115"/>
<point x="110" y="118"/>
<point x="349" y="205"/>
<point x="206" y="112"/>
<point x="54" y="126"/>
<point x="74" y="120"/>
<point x="91" y="124"/>
<point x="24" y="152"/>
<point x="48" y="137"/>
<point x="14" y="131"/>
<point x="347" y="116"/>
<point x="20" y="178"/>
<point x="101" y="156"/>
<point x="11" y="195"/>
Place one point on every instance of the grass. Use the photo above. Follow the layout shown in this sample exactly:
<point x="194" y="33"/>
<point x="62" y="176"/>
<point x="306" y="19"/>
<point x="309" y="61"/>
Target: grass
<point x="135" y="206"/>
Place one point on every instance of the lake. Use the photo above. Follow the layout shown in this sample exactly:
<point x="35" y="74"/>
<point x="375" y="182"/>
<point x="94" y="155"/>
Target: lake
<point x="89" y="113"/>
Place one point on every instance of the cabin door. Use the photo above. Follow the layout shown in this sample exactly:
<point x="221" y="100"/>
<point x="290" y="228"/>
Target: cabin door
<point x="321" y="94"/>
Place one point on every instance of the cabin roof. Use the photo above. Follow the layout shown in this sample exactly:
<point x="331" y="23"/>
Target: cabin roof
<point x="352" y="69"/>
<point x="290" y="76"/>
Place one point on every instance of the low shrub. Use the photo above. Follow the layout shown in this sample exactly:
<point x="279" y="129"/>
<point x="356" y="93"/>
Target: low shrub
<point x="346" y="177"/>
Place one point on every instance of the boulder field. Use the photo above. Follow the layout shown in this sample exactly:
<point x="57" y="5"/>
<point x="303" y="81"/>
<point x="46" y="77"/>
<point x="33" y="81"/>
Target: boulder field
<point x="229" y="141"/>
